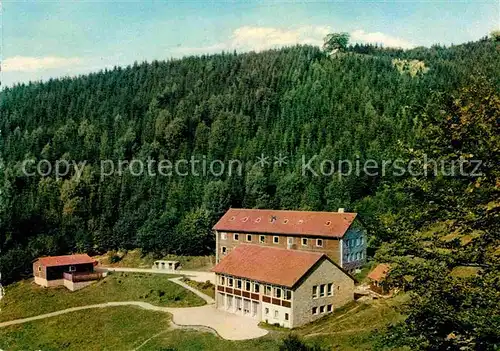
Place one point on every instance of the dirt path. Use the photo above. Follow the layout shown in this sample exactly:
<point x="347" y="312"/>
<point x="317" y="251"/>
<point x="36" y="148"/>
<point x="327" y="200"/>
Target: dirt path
<point x="227" y="325"/>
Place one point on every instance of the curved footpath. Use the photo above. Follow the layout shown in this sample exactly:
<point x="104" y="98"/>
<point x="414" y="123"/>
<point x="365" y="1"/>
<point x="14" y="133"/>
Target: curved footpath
<point x="227" y="325"/>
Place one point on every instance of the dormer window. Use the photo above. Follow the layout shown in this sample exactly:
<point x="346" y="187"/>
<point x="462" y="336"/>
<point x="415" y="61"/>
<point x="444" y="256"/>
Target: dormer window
<point x="273" y="219"/>
<point x="257" y="220"/>
<point x="285" y="221"/>
<point x="244" y="219"/>
<point x="328" y="222"/>
<point x="232" y="218"/>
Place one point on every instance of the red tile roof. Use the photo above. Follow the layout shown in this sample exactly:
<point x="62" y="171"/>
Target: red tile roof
<point x="269" y="265"/>
<point x="53" y="261"/>
<point x="326" y="224"/>
<point x="379" y="273"/>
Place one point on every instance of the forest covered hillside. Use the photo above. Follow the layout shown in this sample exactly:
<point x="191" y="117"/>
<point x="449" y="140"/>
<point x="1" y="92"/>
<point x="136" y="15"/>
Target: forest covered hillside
<point x="367" y="103"/>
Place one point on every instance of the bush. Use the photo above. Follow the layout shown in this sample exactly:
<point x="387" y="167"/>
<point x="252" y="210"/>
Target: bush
<point x="293" y="343"/>
<point x="114" y="258"/>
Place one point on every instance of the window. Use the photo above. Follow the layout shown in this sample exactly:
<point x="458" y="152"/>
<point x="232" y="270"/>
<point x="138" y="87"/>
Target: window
<point x="322" y="309"/>
<point x="223" y="250"/>
<point x="266" y="311"/>
<point x="230" y="282"/>
<point x="72" y="268"/>
<point x="287" y="294"/>
<point x="277" y="293"/>
<point x="249" y="237"/>
<point x="223" y="236"/>
<point x="322" y="290"/>
<point x="236" y="237"/>
<point x="361" y="240"/>
<point x="39" y="268"/>
<point x="330" y="289"/>
<point x="276" y="239"/>
<point x="304" y="241"/>
<point x="256" y="288"/>
<point x="238" y="283"/>
<point x="222" y="280"/>
<point x="276" y="314"/>
<point x="268" y="290"/>
<point x="315" y="291"/>
<point x="319" y="242"/>
<point x="286" y="316"/>
<point x="315" y="310"/>
<point x="248" y="286"/>
<point x="329" y="308"/>
<point x="262" y="239"/>
<point x="357" y="242"/>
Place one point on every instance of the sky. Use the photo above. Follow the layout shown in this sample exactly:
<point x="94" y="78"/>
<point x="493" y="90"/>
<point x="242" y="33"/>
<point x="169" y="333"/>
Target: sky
<point x="47" y="39"/>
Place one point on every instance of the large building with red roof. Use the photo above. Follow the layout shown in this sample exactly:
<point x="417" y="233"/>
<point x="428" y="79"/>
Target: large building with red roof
<point x="72" y="271"/>
<point x="339" y="235"/>
<point x="280" y="286"/>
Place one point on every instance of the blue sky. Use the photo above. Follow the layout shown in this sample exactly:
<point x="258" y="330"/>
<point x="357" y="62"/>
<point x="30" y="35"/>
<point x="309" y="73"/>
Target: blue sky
<point x="43" y="39"/>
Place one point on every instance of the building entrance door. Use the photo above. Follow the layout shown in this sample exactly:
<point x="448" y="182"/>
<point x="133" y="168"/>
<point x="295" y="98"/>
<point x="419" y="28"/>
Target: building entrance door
<point x="238" y="305"/>
<point x="255" y="309"/>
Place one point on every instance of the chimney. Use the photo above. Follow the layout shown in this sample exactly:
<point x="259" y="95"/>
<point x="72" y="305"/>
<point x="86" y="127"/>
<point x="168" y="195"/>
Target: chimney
<point x="341" y="210"/>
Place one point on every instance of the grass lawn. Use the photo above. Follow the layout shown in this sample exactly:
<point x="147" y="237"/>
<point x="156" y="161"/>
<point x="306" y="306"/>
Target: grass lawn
<point x="136" y="259"/>
<point x="125" y="328"/>
<point x="207" y="288"/>
<point x="25" y="298"/>
<point x="114" y="328"/>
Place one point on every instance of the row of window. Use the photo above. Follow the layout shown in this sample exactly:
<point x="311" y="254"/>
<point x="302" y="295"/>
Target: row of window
<point x="272" y="291"/>
<point x="322" y="309"/>
<point x="322" y="290"/>
<point x="355" y="256"/>
<point x="276" y="314"/>
<point x="354" y="242"/>
<point x="276" y="239"/>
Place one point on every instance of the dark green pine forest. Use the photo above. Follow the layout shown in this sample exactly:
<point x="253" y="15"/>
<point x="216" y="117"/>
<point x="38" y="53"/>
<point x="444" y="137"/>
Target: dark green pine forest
<point x="366" y="103"/>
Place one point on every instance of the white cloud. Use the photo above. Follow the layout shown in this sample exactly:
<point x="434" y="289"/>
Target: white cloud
<point x="262" y="38"/>
<point x="380" y="38"/>
<point x="248" y="38"/>
<point x="35" y="64"/>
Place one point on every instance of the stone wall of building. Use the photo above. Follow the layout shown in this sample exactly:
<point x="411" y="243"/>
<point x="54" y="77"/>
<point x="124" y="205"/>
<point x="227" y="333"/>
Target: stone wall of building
<point x="302" y="298"/>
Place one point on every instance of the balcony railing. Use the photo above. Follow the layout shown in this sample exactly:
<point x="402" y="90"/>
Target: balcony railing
<point x="82" y="276"/>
